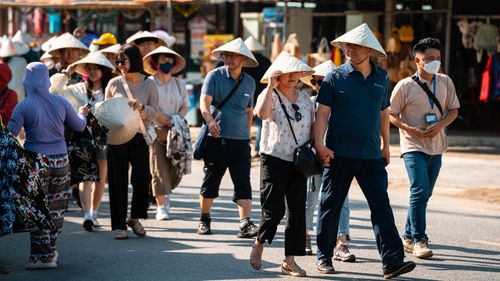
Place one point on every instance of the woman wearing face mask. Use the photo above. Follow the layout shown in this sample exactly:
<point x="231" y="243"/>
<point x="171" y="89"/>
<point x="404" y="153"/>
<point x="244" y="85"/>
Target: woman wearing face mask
<point x="162" y="63"/>
<point x="136" y="152"/>
<point x="97" y="71"/>
<point x="283" y="187"/>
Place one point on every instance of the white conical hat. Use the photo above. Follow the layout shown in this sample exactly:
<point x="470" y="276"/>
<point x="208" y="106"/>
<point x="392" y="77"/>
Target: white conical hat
<point x="45" y="56"/>
<point x="47" y="44"/>
<point x="145" y="34"/>
<point x="254" y="45"/>
<point x="180" y="63"/>
<point x="111" y="49"/>
<point x="287" y="63"/>
<point x="23" y="37"/>
<point x="363" y="36"/>
<point x="169" y="39"/>
<point x="8" y="49"/>
<point x="94" y="58"/>
<point x="237" y="46"/>
<point x="66" y="41"/>
<point x="320" y="70"/>
<point x="119" y="118"/>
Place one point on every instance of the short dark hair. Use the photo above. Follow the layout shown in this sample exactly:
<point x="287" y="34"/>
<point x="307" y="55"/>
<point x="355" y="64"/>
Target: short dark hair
<point x="134" y="57"/>
<point x="426" y="43"/>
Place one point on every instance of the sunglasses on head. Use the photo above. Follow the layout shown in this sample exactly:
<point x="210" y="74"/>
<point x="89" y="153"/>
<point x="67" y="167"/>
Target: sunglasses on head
<point x="318" y="82"/>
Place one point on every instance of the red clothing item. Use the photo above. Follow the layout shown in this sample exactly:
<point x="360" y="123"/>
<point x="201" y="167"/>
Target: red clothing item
<point x="8" y="98"/>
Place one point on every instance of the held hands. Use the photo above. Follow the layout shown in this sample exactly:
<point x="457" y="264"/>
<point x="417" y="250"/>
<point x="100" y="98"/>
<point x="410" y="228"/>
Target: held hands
<point x="324" y="154"/>
<point x="214" y="128"/>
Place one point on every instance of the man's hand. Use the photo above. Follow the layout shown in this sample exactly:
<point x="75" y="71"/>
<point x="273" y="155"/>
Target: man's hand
<point x="324" y="154"/>
<point x="386" y="155"/>
<point x="214" y="128"/>
<point x="433" y="130"/>
<point x="416" y="132"/>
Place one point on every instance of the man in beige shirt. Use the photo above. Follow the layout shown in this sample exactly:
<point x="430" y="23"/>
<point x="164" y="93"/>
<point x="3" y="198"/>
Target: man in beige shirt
<point x="421" y="122"/>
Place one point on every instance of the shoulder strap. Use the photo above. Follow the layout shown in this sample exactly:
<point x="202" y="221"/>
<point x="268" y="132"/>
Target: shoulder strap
<point x="429" y="93"/>
<point x="231" y="93"/>
<point x="287" y="117"/>
<point x="129" y="94"/>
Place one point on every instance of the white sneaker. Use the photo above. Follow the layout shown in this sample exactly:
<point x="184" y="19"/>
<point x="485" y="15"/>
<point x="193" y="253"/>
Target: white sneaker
<point x="161" y="214"/>
<point x="95" y="221"/>
<point x="34" y="264"/>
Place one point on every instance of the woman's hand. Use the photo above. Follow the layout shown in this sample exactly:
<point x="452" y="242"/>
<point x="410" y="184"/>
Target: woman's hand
<point x="69" y="71"/>
<point x="273" y="80"/>
<point x="324" y="154"/>
<point x="136" y="105"/>
<point x="85" y="110"/>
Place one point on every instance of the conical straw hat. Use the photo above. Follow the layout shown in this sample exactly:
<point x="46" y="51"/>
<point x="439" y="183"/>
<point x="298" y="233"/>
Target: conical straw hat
<point x="111" y="49"/>
<point x="93" y="58"/>
<point x="237" y="46"/>
<point x="180" y="63"/>
<point x="363" y="36"/>
<point x="8" y="49"/>
<point x="169" y="39"/>
<point x="47" y="44"/>
<point x="120" y="119"/>
<point x="287" y="63"/>
<point x="320" y="70"/>
<point x="145" y="34"/>
<point x="23" y="37"/>
<point x="66" y="41"/>
<point x="45" y="56"/>
<point x="254" y="45"/>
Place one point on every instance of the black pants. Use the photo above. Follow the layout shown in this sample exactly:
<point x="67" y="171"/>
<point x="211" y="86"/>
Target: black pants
<point x="135" y="152"/>
<point x="372" y="178"/>
<point x="282" y="188"/>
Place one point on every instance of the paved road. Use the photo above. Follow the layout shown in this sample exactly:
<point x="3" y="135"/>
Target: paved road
<point x="464" y="235"/>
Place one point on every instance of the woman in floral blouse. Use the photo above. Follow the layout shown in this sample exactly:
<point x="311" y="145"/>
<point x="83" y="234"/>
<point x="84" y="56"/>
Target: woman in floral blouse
<point x="283" y="188"/>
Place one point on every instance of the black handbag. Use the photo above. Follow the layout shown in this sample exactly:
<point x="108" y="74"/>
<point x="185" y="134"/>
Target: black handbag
<point x="304" y="158"/>
<point x="201" y="140"/>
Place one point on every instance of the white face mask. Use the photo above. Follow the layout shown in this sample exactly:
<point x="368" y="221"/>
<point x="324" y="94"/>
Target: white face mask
<point x="432" y="67"/>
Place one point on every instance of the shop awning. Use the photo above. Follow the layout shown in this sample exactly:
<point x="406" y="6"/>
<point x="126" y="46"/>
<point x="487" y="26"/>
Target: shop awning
<point x="72" y="4"/>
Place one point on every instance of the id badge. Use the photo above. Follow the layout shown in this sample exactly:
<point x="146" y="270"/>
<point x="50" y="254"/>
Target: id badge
<point x="431" y="118"/>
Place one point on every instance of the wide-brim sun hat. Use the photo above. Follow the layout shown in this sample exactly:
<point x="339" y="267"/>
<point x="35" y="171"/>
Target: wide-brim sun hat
<point x="112" y="49"/>
<point x="47" y="44"/>
<point x="287" y="63"/>
<point x="362" y="36"/>
<point x="45" y="57"/>
<point x="254" y="45"/>
<point x="180" y="62"/>
<point x="320" y="70"/>
<point x="92" y="58"/>
<point x="119" y="118"/>
<point x="67" y="41"/>
<point x="145" y="34"/>
<point x="8" y="49"/>
<point x="237" y="46"/>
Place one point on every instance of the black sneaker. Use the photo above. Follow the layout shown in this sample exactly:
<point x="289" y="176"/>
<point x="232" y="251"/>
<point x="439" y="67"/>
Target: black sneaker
<point x="204" y="228"/>
<point x="249" y="230"/>
<point x="88" y="224"/>
<point x="325" y="266"/>
<point x="394" y="270"/>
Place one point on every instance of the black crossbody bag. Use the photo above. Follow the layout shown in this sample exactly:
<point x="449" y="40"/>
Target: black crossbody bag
<point x="429" y="93"/>
<point x="304" y="158"/>
<point x="201" y="140"/>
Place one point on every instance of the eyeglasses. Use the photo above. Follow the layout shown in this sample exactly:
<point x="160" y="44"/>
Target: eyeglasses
<point x="122" y="61"/>
<point x="314" y="82"/>
<point x="298" y="116"/>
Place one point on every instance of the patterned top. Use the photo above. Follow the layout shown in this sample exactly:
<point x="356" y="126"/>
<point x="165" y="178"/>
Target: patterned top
<point x="277" y="139"/>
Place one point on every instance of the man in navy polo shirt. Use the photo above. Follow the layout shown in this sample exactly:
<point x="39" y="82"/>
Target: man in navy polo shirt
<point x="227" y="145"/>
<point x="353" y="105"/>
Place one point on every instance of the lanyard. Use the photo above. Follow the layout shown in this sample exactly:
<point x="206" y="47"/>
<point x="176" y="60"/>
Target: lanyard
<point x="434" y="86"/>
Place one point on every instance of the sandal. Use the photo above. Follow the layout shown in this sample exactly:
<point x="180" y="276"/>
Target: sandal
<point x="256" y="255"/>
<point x="137" y="227"/>
<point x="292" y="269"/>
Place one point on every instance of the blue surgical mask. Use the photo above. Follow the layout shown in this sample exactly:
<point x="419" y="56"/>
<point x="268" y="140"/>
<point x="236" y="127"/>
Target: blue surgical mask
<point x="166" y="67"/>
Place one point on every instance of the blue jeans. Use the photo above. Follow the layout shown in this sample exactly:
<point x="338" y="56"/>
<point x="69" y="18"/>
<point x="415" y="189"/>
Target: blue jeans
<point x="312" y="200"/>
<point x="423" y="170"/>
<point x="372" y="179"/>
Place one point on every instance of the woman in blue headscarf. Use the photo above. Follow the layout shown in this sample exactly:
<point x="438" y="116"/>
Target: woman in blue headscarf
<point x="43" y="117"/>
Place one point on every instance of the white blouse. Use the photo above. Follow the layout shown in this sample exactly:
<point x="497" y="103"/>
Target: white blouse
<point x="76" y="94"/>
<point x="277" y="139"/>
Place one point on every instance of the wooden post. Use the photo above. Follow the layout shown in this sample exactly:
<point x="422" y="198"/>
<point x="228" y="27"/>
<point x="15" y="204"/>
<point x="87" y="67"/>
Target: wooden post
<point x="170" y="18"/>
<point x="447" y="43"/>
<point x="389" y="18"/>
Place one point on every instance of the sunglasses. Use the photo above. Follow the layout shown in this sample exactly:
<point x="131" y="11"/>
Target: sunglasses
<point x="318" y="82"/>
<point x="122" y="61"/>
<point x="298" y="116"/>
